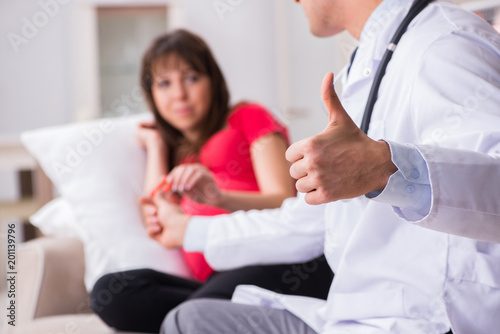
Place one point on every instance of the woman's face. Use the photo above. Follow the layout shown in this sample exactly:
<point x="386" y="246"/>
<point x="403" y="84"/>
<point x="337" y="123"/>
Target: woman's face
<point x="182" y="95"/>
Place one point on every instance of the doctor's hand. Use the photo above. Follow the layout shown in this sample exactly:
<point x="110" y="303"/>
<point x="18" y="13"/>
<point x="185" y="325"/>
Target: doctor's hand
<point x="168" y="226"/>
<point x="340" y="162"/>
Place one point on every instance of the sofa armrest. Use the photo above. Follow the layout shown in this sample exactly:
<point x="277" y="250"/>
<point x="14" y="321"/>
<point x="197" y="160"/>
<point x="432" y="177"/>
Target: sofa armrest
<point x="50" y="278"/>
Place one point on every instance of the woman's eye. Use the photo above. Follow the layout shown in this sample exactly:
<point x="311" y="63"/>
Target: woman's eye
<point x="163" y="83"/>
<point x="192" y="78"/>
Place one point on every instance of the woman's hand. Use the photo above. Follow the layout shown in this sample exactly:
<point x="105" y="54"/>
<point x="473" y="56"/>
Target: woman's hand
<point x="147" y="134"/>
<point x="196" y="182"/>
<point x="150" y="214"/>
<point x="150" y="218"/>
<point x="168" y="223"/>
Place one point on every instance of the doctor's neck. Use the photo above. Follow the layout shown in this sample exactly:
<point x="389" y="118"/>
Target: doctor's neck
<point x="357" y="13"/>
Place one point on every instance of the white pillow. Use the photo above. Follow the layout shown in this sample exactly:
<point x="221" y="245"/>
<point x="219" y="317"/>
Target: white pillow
<point x="57" y="219"/>
<point x="99" y="167"/>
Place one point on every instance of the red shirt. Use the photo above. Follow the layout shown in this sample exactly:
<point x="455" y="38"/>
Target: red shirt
<point x="227" y="155"/>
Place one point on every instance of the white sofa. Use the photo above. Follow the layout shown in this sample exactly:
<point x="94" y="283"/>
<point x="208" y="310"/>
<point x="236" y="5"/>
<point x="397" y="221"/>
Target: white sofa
<point x="51" y="296"/>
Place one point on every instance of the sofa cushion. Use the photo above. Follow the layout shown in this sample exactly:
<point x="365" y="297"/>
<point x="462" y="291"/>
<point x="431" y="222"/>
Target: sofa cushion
<point x="77" y="323"/>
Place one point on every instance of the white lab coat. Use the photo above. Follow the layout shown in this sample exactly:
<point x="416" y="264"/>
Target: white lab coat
<point x="442" y="94"/>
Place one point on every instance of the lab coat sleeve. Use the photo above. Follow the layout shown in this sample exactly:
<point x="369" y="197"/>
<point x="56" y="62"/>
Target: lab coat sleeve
<point x="456" y="115"/>
<point x="409" y="189"/>
<point x="290" y="234"/>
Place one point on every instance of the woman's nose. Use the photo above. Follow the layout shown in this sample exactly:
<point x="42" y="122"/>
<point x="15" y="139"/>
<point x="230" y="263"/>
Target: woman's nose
<point x="179" y="91"/>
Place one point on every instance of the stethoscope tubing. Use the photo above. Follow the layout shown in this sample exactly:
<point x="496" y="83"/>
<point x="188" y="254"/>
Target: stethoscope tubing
<point x="415" y="9"/>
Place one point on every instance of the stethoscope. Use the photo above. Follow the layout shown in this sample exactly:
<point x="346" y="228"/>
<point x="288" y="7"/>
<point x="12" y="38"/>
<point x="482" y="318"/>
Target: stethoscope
<point x="415" y="9"/>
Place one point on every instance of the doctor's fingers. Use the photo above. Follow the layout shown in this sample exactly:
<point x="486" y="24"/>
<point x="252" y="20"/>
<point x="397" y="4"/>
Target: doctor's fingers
<point x="306" y="184"/>
<point x="299" y="169"/>
<point x="317" y="196"/>
<point x="296" y="151"/>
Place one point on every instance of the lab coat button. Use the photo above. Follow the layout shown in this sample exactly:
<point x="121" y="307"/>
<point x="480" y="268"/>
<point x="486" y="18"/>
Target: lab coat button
<point x="414" y="173"/>
<point x="410" y="189"/>
<point x="367" y="72"/>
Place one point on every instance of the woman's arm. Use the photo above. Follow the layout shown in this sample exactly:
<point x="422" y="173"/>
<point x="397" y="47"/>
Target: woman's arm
<point x="156" y="167"/>
<point x="271" y="171"/>
<point x="156" y="155"/>
<point x="272" y="174"/>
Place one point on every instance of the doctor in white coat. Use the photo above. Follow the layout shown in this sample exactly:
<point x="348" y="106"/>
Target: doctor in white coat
<point x="412" y="220"/>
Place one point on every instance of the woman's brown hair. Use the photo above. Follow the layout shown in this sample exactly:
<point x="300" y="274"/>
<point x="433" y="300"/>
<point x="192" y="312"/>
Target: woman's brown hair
<point x="193" y="50"/>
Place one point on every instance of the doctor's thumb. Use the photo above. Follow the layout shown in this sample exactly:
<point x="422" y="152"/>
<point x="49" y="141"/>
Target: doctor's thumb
<point x="335" y="110"/>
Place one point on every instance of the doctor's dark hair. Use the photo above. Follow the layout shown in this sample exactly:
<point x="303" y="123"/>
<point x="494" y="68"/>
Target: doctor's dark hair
<point x="194" y="51"/>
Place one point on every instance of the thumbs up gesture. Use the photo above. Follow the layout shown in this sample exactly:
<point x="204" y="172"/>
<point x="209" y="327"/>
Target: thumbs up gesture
<point x="340" y="162"/>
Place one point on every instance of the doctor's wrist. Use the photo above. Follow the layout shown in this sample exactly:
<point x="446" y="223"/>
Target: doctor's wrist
<point x="196" y="236"/>
<point x="386" y="165"/>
